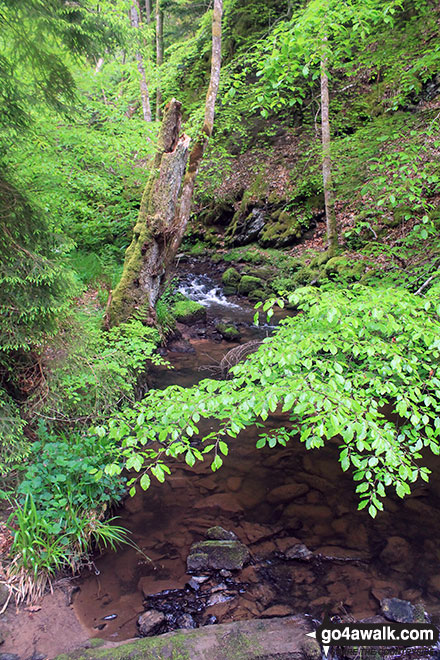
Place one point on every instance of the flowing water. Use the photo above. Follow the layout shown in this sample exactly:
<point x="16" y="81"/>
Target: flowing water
<point x="271" y="499"/>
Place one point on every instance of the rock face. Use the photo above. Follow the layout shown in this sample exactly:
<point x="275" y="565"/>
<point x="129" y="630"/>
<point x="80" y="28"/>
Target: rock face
<point x="216" y="554"/>
<point x="151" y="622"/>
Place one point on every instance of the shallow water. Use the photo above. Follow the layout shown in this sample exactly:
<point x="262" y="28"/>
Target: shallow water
<point x="360" y="560"/>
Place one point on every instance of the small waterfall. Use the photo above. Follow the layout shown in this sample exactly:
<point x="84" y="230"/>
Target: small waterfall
<point x="203" y="290"/>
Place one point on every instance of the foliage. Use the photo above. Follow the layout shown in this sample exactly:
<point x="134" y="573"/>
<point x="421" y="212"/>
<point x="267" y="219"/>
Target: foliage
<point x="39" y="553"/>
<point x="33" y="283"/>
<point x="347" y="367"/>
<point x="95" y="372"/>
<point x="14" y="446"/>
<point x="60" y="477"/>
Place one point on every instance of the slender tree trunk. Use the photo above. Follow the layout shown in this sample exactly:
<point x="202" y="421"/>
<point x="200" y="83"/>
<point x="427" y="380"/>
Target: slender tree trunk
<point x="159" y="57"/>
<point x="148" y="11"/>
<point x="332" y="231"/>
<point x="145" y="97"/>
<point x="200" y="145"/>
<point x="162" y="219"/>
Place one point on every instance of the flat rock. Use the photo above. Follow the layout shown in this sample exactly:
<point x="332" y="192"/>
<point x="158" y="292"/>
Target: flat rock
<point x="287" y="542"/>
<point x="223" y="501"/>
<point x="287" y="492"/>
<point x="205" y="555"/>
<point x="262" y="639"/>
<point x="151" y="622"/>
<point x="234" y="483"/>
<point x="308" y="512"/>
<point x="277" y="610"/>
<point x="255" y="532"/>
<point x="398" y="610"/>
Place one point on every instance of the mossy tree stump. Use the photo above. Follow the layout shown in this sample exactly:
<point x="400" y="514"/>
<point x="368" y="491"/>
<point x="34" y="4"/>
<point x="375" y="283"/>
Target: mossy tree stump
<point x="145" y="258"/>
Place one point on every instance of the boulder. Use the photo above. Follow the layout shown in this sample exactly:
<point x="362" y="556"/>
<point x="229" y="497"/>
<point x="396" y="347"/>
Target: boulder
<point x="188" y="311"/>
<point x="217" y="554"/>
<point x="398" y="610"/>
<point x="151" y="623"/>
<point x="228" y="331"/>
<point x="249" y="284"/>
<point x="231" y="278"/>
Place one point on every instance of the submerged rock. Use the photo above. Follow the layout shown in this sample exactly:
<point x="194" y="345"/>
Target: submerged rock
<point x="186" y="621"/>
<point x="151" y="622"/>
<point x="228" y="331"/>
<point x="218" y="533"/>
<point x="299" y="551"/>
<point x="398" y="610"/>
<point x="217" y="555"/>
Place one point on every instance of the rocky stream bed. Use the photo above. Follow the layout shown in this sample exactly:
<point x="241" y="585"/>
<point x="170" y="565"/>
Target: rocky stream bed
<point x="275" y="533"/>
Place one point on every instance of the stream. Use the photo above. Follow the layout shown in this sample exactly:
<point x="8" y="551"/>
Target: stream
<point x="272" y="499"/>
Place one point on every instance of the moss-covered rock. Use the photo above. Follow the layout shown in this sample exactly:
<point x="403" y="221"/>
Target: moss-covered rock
<point x="306" y="275"/>
<point x="248" y="284"/>
<point x="188" y="311"/>
<point x="228" y="331"/>
<point x="258" y="294"/>
<point x="231" y="278"/>
<point x="284" y="229"/>
<point x="261" y="639"/>
<point x="216" y="554"/>
<point x="263" y="272"/>
<point x="343" y="267"/>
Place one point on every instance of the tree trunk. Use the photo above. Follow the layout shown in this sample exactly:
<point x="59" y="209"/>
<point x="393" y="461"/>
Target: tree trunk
<point x="332" y="231"/>
<point x="159" y="57"/>
<point x="145" y="97"/>
<point x="148" y="11"/>
<point x="200" y="145"/>
<point x="144" y="267"/>
<point x="162" y="220"/>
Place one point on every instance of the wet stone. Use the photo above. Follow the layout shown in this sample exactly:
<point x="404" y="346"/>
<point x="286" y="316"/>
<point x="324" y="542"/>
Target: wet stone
<point x="186" y="621"/>
<point x="217" y="555"/>
<point x="151" y="622"/>
<point x="299" y="551"/>
<point x="220" y="534"/>
<point x="287" y="492"/>
<point x="398" y="610"/>
<point x="218" y="598"/>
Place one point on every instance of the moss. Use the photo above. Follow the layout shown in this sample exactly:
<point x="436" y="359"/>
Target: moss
<point x="150" y="648"/>
<point x="96" y="643"/>
<point x="228" y="331"/>
<point x="198" y="249"/>
<point x="344" y="268"/>
<point x="236" y="646"/>
<point x="188" y="311"/>
<point x="306" y="275"/>
<point x="263" y="272"/>
<point x="257" y="294"/>
<point x="320" y="260"/>
<point x="284" y="229"/>
<point x="249" y="283"/>
<point x="231" y="278"/>
<point x="311" y="649"/>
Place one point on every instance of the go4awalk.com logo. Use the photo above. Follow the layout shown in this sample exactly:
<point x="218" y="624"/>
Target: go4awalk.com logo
<point x="375" y="634"/>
